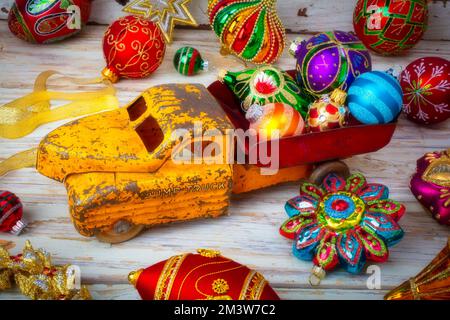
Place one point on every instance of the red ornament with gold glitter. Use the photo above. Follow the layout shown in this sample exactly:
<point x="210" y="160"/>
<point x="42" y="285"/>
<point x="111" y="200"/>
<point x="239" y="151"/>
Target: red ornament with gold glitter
<point x="11" y="211"/>
<point x="426" y="90"/>
<point x="203" y="276"/>
<point x="328" y="112"/>
<point x="389" y="27"/>
<point x="133" y="48"/>
<point x="44" y="21"/>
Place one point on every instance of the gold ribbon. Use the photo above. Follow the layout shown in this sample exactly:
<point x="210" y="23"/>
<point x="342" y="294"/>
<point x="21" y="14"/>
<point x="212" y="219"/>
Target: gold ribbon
<point x="22" y="116"/>
<point x="24" y="159"/>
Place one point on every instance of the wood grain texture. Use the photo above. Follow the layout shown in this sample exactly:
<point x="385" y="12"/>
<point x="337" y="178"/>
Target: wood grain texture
<point x="250" y="233"/>
<point x="300" y="16"/>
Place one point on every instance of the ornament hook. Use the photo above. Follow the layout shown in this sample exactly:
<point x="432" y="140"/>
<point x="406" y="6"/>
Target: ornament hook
<point x="317" y="274"/>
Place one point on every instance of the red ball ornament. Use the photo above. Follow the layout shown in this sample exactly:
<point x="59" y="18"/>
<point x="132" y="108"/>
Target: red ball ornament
<point x="133" y="48"/>
<point x="389" y="27"/>
<point x="44" y="21"/>
<point x="11" y="211"/>
<point x="426" y="90"/>
<point x="328" y="112"/>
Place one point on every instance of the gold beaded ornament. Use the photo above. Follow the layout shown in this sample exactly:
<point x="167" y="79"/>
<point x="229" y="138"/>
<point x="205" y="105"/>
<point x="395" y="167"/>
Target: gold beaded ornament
<point x="249" y="29"/>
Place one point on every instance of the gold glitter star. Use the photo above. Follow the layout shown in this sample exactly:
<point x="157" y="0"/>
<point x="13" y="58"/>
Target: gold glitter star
<point x="165" y="13"/>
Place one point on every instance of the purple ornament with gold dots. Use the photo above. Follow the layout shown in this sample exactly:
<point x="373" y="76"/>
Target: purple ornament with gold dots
<point x="329" y="60"/>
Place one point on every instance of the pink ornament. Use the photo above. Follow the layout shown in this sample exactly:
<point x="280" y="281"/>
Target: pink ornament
<point x="431" y="184"/>
<point x="426" y="90"/>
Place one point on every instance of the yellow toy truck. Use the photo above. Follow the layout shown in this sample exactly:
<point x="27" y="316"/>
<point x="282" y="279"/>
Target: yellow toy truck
<point x="120" y="173"/>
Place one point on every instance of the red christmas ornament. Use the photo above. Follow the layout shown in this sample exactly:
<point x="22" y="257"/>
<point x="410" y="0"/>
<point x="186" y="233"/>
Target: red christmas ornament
<point x="426" y="90"/>
<point x="133" y="48"/>
<point x="389" y="27"/>
<point x="204" y="276"/>
<point x="47" y="21"/>
<point x="11" y="211"/>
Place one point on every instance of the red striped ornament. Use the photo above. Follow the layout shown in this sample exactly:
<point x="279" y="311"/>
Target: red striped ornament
<point x="11" y="211"/>
<point x="275" y="118"/>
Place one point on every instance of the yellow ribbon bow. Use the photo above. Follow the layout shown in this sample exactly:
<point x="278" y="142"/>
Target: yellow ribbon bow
<point x="21" y="116"/>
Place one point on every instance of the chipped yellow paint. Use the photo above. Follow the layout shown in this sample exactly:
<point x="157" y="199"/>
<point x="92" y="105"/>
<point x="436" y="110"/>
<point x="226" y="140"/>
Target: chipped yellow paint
<point x="111" y="175"/>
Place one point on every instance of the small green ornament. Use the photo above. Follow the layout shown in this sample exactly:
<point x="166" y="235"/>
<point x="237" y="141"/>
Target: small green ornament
<point x="188" y="61"/>
<point x="266" y="85"/>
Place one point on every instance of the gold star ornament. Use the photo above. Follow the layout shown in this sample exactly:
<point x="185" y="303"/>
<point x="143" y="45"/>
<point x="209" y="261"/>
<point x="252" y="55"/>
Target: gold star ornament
<point x="165" y="13"/>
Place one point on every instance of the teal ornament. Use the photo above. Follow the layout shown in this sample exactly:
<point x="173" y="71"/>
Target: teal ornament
<point x="188" y="61"/>
<point x="375" y="97"/>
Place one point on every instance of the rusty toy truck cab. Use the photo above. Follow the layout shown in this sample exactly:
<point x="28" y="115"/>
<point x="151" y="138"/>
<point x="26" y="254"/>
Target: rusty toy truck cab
<point x="119" y="171"/>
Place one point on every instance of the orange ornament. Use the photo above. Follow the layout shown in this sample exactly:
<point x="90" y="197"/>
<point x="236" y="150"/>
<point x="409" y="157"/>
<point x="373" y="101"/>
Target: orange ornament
<point x="275" y="117"/>
<point x="203" y="276"/>
<point x="133" y="48"/>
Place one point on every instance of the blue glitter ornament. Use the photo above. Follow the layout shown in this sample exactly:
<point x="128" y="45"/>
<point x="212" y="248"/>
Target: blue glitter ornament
<point x="375" y="97"/>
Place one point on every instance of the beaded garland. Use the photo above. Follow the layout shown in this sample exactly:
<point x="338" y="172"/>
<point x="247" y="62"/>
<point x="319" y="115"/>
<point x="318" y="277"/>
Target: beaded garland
<point x="342" y="222"/>
<point x="250" y="29"/>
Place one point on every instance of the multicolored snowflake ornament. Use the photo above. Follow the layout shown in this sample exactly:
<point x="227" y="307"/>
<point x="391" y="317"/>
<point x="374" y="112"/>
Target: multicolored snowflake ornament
<point x="342" y="222"/>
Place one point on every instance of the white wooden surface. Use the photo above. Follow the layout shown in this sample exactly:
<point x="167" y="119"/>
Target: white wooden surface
<point x="250" y="233"/>
<point x="305" y="16"/>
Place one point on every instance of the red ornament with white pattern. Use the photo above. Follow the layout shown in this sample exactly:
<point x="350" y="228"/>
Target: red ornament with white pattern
<point x="11" y="211"/>
<point x="426" y="90"/>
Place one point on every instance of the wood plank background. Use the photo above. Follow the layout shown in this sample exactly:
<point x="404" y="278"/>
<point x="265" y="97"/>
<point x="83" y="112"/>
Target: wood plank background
<point x="305" y="16"/>
<point x="254" y="218"/>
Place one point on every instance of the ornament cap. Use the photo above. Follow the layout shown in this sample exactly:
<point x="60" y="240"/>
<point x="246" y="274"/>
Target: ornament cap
<point x="339" y="96"/>
<point x="109" y="74"/>
<point x="222" y="74"/>
<point x="317" y="274"/>
<point x="18" y="227"/>
<point x="394" y="71"/>
<point x="254" y="113"/>
<point x="209" y="253"/>
<point x="205" y="65"/>
<point x="294" y="46"/>
<point x="133" y="276"/>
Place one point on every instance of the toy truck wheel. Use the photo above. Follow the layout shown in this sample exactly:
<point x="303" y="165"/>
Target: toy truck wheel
<point x="121" y="231"/>
<point x="322" y="170"/>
